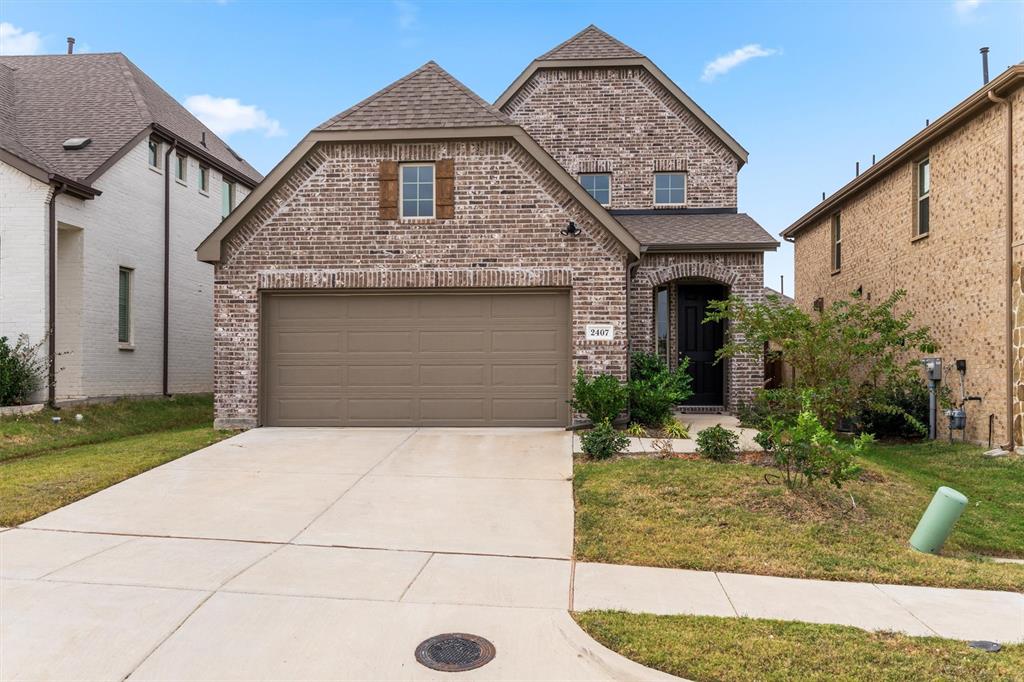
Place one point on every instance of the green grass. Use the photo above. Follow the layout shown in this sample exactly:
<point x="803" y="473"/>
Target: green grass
<point x="707" y="516"/>
<point x="707" y="648"/>
<point x="44" y="466"/>
<point x="32" y="434"/>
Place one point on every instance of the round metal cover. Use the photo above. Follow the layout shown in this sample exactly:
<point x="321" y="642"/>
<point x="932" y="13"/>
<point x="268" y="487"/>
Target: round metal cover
<point x="991" y="647"/>
<point x="454" y="652"/>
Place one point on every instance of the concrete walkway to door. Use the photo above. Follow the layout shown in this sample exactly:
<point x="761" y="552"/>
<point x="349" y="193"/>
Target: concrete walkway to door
<point x="308" y="554"/>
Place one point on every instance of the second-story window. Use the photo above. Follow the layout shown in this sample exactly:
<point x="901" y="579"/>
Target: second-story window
<point x="204" y="179"/>
<point x="599" y="186"/>
<point x="227" y="197"/>
<point x="416" y="190"/>
<point x="837" y="243"/>
<point x="924" y="190"/>
<point x="155" y="158"/>
<point x="669" y="189"/>
<point x="181" y="168"/>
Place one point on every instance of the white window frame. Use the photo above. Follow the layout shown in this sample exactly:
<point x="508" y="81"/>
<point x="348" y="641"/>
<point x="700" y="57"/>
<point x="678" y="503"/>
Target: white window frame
<point x="129" y="308"/>
<point x="232" y="195"/>
<point x="836" y="242"/>
<point x="591" y="175"/>
<point x="926" y="161"/>
<point x="654" y="188"/>
<point x="158" y="166"/>
<point x="401" y="191"/>
<point x="181" y="163"/>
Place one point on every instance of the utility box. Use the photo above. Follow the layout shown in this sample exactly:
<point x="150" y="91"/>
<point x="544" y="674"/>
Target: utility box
<point x="937" y="523"/>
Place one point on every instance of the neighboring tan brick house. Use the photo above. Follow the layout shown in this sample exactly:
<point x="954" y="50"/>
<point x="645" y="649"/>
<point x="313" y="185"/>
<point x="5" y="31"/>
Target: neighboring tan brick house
<point x="106" y="184"/>
<point x="427" y="258"/>
<point x="941" y="217"/>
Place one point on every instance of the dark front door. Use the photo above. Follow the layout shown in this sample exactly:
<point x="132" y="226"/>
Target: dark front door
<point x="698" y="340"/>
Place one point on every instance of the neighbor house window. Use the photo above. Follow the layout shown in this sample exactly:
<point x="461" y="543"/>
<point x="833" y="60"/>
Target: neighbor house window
<point x="204" y="179"/>
<point x="181" y="167"/>
<point x="837" y="243"/>
<point x="924" y="189"/>
<point x="599" y="186"/>
<point x="154" y="153"/>
<point x="227" y="197"/>
<point x="416" y="190"/>
<point x="661" y="322"/>
<point x="124" y="306"/>
<point x="669" y="189"/>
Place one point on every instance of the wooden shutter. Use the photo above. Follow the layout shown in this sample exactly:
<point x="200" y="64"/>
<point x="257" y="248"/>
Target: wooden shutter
<point x="389" y="190"/>
<point x="445" y="171"/>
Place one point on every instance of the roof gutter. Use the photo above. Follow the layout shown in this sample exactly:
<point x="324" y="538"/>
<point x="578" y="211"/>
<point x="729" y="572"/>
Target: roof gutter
<point x="205" y="156"/>
<point x="1008" y="105"/>
<point x="51" y="295"/>
<point x="167" y="261"/>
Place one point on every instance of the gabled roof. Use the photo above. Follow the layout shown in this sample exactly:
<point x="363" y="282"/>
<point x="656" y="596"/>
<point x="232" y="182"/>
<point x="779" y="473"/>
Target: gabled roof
<point x="46" y="99"/>
<point x="698" y="231"/>
<point x="589" y="43"/>
<point x="429" y="97"/>
<point x="594" y="47"/>
<point x="913" y="147"/>
<point x="428" y="104"/>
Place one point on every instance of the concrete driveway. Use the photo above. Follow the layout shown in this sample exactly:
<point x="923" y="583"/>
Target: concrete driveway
<point x="308" y="554"/>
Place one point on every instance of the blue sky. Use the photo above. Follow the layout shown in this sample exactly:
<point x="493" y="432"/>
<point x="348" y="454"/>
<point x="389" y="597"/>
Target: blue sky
<point x="823" y="85"/>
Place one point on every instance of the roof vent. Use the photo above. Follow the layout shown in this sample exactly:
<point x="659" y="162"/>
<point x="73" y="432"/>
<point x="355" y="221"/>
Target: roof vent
<point x="71" y="45"/>
<point x="202" y="141"/>
<point x="76" y="143"/>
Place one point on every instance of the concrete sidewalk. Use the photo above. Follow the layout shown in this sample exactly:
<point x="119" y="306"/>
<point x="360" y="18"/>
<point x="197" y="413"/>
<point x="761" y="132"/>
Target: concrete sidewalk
<point x="921" y="611"/>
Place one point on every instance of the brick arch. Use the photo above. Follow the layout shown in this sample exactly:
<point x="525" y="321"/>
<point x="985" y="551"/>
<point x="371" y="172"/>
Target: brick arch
<point x="714" y="271"/>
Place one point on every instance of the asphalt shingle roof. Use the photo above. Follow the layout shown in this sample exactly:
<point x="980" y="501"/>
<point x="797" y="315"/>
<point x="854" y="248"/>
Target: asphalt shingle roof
<point x="591" y="43"/>
<point x="697" y="229"/>
<point x="429" y="97"/>
<point x="46" y="99"/>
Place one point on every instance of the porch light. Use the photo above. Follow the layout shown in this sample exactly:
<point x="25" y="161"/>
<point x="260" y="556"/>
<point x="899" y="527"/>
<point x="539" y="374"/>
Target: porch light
<point x="571" y="230"/>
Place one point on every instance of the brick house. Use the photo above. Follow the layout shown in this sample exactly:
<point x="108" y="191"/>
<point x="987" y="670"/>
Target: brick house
<point x="425" y="257"/>
<point x="940" y="217"/>
<point x="106" y="185"/>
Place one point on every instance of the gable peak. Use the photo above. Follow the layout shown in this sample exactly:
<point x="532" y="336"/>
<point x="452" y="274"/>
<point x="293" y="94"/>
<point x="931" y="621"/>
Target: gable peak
<point x="590" y="43"/>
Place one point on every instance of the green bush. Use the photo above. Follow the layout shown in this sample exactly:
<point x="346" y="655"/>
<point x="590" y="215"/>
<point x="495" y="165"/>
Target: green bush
<point x="21" y="370"/>
<point x="674" y="428"/>
<point x="654" y="389"/>
<point x="603" y="441"/>
<point x="898" y="410"/>
<point x="718" y="443"/>
<point x="805" y="451"/>
<point x="779" y="403"/>
<point x="602" y="398"/>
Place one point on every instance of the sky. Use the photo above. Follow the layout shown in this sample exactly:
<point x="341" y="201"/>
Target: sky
<point x="808" y="88"/>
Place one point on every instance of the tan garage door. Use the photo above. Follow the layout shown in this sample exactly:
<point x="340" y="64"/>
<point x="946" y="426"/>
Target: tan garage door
<point x="416" y="358"/>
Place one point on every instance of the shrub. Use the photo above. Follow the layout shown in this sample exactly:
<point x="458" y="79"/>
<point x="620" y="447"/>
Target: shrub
<point x="654" y="389"/>
<point x="21" y="370"/>
<point x="601" y="398"/>
<point x="897" y="410"/>
<point x="603" y="441"/>
<point x="805" y="451"/>
<point x="781" y="403"/>
<point x="718" y="443"/>
<point x="676" y="429"/>
<point x="636" y="430"/>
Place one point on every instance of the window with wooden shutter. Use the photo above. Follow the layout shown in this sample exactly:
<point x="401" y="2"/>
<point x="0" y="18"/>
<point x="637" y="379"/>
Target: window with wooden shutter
<point x="388" y="190"/>
<point x="445" y="189"/>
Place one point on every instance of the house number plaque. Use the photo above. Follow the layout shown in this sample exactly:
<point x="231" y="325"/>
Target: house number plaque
<point x="600" y="332"/>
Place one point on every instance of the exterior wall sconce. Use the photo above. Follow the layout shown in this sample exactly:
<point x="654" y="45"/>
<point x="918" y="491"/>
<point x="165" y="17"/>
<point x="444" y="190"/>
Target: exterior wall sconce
<point x="571" y="230"/>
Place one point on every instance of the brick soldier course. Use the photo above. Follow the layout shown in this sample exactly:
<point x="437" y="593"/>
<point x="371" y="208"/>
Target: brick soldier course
<point x="326" y="219"/>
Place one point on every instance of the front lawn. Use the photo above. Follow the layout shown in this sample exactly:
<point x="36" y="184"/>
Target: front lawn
<point x="727" y="517"/>
<point x="44" y="466"/>
<point x="707" y="648"/>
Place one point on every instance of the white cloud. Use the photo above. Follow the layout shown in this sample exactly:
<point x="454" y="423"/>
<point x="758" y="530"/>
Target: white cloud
<point x="408" y="15"/>
<point x="226" y="115"/>
<point x="14" y="40"/>
<point x="966" y="8"/>
<point x="727" y="62"/>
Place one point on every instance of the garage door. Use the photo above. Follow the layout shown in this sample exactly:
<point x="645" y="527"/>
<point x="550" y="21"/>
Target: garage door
<point x="430" y="359"/>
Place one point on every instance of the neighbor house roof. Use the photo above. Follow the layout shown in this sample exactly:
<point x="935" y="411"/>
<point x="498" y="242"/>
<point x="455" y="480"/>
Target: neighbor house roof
<point x="594" y="47"/>
<point x="698" y="232"/>
<point x="912" y="148"/>
<point x="428" y="104"/>
<point x="47" y="99"/>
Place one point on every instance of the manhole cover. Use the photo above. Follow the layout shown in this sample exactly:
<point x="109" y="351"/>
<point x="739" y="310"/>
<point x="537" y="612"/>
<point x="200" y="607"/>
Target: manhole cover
<point x="454" y="652"/>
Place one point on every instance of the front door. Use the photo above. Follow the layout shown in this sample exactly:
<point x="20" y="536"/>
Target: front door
<point x="698" y="341"/>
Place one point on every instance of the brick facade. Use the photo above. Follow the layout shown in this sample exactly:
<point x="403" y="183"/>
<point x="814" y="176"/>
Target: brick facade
<point x="320" y="229"/>
<point x="955" y="278"/>
<point x="620" y="120"/>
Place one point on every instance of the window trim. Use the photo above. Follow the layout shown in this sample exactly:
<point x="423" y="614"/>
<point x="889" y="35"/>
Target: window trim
<point x="158" y="167"/>
<point x="129" y="343"/>
<point x="232" y="194"/>
<point x="181" y="168"/>
<point x="919" y="198"/>
<point x="658" y="291"/>
<point x="836" y="242"/>
<point x="654" y="189"/>
<point x="204" y="180"/>
<point x="433" y="185"/>
<point x="599" y="174"/>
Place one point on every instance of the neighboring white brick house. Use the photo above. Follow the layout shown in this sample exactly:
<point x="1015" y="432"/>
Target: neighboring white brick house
<point x="109" y="214"/>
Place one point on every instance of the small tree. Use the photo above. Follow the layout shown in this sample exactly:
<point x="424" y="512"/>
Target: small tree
<point x="841" y="355"/>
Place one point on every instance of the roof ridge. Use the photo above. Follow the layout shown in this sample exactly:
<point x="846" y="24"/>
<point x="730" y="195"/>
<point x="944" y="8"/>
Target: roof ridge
<point x="133" y="86"/>
<point x="592" y="28"/>
<point x="383" y="91"/>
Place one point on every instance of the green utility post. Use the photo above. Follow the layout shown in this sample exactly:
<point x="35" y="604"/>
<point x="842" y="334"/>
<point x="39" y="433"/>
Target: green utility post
<point x="937" y="522"/>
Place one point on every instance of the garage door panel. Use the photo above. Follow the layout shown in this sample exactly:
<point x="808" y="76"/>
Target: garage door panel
<point x="416" y="358"/>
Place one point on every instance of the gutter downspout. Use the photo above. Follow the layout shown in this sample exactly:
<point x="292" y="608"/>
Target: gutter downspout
<point x="1009" y="265"/>
<point x="51" y="294"/>
<point x="167" y="259"/>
